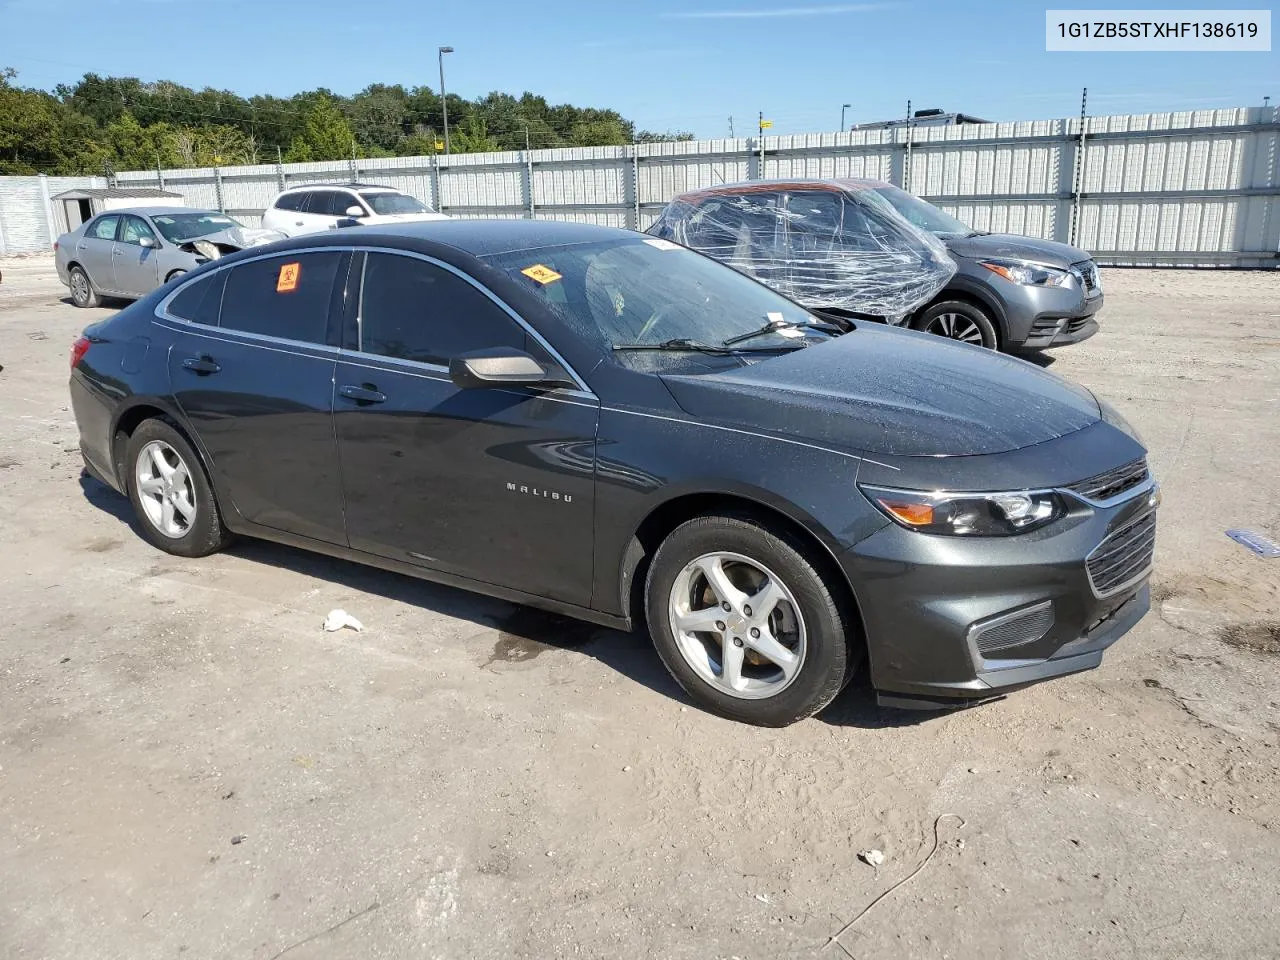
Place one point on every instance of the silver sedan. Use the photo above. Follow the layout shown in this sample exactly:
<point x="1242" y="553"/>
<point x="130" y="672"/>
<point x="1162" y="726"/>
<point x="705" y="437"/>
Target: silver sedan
<point x="129" y="253"/>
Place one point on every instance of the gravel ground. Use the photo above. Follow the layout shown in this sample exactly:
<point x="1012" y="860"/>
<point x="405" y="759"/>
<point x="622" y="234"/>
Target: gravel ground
<point x="190" y="766"/>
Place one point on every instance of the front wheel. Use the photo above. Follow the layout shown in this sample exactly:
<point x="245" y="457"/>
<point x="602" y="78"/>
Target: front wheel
<point x="745" y="622"/>
<point x="958" y="320"/>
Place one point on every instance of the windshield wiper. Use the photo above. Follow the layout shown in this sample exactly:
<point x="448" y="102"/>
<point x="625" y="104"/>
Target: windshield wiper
<point x="678" y="344"/>
<point x="771" y="327"/>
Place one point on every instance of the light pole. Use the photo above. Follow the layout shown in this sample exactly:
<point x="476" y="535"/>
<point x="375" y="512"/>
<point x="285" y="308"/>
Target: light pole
<point x="444" y="102"/>
<point x="843" y="108"/>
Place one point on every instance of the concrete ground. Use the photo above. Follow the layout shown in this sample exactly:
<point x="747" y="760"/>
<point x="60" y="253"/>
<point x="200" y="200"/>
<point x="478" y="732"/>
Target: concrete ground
<point x="190" y="766"/>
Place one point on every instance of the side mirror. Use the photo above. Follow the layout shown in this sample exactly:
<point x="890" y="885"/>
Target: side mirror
<point x="355" y="210"/>
<point x="498" y="367"/>
<point x="147" y="242"/>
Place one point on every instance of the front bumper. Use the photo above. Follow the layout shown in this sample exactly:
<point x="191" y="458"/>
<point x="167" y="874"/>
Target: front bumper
<point x="952" y="620"/>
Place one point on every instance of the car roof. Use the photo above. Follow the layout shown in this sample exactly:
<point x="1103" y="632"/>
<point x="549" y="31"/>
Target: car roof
<point x="340" y="186"/>
<point x="156" y="211"/>
<point x="840" y="184"/>
<point x="482" y="238"/>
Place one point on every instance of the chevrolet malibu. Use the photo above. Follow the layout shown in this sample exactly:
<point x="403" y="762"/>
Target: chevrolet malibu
<point x="614" y="427"/>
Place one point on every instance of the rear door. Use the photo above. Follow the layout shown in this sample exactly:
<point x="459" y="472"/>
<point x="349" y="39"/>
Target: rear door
<point x="137" y="268"/>
<point x="496" y="485"/>
<point x="252" y="368"/>
<point x="94" y="251"/>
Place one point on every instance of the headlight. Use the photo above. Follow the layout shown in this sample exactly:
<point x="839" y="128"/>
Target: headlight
<point x="1026" y="273"/>
<point x="968" y="514"/>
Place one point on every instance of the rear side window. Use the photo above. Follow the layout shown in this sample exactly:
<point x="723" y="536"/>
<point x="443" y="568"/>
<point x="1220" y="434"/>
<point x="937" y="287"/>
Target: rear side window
<point x="415" y="310"/>
<point x="104" y="228"/>
<point x="285" y="296"/>
<point x="201" y="300"/>
<point x="290" y="201"/>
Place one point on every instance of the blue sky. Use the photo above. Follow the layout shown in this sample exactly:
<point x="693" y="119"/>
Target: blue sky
<point x="666" y="64"/>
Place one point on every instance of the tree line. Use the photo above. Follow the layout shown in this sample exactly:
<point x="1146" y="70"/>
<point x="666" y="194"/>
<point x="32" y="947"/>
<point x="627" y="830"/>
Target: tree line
<point x="103" y="124"/>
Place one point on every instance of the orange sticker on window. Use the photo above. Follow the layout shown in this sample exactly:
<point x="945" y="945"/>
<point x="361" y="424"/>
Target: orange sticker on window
<point x="541" y="273"/>
<point x="288" y="279"/>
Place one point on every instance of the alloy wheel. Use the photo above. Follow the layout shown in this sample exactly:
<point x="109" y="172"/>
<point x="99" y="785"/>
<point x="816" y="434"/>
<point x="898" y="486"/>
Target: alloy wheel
<point x="956" y="326"/>
<point x="737" y="625"/>
<point x="165" y="489"/>
<point x="79" y="286"/>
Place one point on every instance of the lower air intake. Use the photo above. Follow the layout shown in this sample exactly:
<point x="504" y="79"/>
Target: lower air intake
<point x="1005" y="633"/>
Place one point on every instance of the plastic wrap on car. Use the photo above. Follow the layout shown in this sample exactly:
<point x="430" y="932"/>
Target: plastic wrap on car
<point x="827" y="250"/>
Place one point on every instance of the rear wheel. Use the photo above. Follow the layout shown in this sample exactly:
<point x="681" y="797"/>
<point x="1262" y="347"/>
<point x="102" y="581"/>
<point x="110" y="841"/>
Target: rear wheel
<point x="958" y="320"/>
<point x="82" y="292"/>
<point x="745" y="622"/>
<point x="171" y="494"/>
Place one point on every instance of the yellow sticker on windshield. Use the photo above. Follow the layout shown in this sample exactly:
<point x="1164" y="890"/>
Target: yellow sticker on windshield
<point x="541" y="273"/>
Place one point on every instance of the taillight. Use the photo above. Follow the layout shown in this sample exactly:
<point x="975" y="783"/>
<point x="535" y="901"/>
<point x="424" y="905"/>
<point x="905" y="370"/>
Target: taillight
<point x="78" y="350"/>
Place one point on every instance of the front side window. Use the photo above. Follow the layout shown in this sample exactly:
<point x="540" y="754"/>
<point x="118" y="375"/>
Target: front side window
<point x="285" y="296"/>
<point x="647" y="291"/>
<point x="104" y="228"/>
<point x="331" y="203"/>
<point x="414" y="310"/>
<point x="386" y="203"/>
<point x="134" y="229"/>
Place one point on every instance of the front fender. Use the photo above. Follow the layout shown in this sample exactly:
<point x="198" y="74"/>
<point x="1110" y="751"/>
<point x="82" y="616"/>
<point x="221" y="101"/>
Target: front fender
<point x="646" y="463"/>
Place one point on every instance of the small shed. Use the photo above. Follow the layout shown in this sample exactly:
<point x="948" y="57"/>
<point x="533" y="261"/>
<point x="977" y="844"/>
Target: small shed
<point x="87" y="202"/>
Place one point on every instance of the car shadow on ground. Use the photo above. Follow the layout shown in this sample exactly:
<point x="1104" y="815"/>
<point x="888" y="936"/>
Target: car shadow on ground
<point x="520" y="633"/>
<point x="1040" y="358"/>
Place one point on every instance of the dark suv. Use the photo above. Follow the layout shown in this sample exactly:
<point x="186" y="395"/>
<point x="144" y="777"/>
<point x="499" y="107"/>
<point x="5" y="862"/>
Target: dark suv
<point x="1008" y="292"/>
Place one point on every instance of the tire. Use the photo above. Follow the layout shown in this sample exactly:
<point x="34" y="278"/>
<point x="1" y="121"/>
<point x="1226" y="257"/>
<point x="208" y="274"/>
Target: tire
<point x="188" y="524"/>
<point x="959" y="320"/>
<point x="803" y="616"/>
<point x="82" y="292"/>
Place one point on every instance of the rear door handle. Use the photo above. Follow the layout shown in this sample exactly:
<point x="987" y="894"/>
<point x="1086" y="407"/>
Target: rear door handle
<point x="365" y="394"/>
<point x="202" y="365"/>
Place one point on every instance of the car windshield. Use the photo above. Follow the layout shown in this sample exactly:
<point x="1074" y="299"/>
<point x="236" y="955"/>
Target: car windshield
<point x="385" y="203"/>
<point x="647" y="291"/>
<point x="919" y="213"/>
<point x="181" y="227"/>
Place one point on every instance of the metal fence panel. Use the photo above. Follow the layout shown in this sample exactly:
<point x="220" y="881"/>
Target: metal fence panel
<point x="1192" y="187"/>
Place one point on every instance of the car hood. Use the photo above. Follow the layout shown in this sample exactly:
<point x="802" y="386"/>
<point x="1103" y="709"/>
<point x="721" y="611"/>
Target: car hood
<point x="1011" y="245"/>
<point x="895" y="392"/>
<point x="214" y="245"/>
<point x="408" y="217"/>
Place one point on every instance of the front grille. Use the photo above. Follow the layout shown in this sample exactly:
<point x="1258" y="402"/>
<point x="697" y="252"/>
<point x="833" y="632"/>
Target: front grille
<point x="1089" y="279"/>
<point x="1112" y="483"/>
<point x="1123" y="557"/>
<point x="1020" y="629"/>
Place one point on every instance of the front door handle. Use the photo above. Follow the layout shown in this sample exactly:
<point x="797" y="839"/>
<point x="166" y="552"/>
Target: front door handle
<point x="201" y="365"/>
<point x="363" y="394"/>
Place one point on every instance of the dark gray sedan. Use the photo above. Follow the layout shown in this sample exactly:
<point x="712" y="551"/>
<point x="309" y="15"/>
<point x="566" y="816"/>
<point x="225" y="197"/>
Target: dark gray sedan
<point x="129" y="253"/>
<point x="613" y="427"/>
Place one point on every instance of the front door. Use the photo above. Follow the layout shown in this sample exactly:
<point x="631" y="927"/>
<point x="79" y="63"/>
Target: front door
<point x="94" y="252"/>
<point x="137" y="268"/>
<point x="496" y="485"/>
<point x="255" y="380"/>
